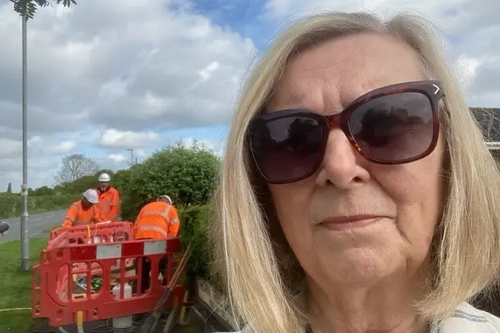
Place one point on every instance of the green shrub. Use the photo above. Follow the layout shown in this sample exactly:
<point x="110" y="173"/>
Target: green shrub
<point x="10" y="205"/>
<point x="187" y="174"/>
<point x="194" y="227"/>
<point x="121" y="179"/>
<point x="44" y="190"/>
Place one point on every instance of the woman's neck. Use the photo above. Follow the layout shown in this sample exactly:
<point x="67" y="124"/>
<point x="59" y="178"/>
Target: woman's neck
<point x="385" y="307"/>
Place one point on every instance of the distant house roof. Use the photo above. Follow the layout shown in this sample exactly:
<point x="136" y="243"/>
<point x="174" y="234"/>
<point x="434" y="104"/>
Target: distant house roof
<point x="489" y="119"/>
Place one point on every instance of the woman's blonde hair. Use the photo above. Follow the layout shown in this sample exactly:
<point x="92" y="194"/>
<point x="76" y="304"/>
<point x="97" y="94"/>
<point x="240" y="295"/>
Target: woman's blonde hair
<point x="466" y="247"/>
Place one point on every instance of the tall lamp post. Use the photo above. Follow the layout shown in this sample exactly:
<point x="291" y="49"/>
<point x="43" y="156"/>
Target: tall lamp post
<point x="25" y="240"/>
<point x="131" y="155"/>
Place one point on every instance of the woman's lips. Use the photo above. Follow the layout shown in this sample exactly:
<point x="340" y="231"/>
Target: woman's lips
<point x="349" y="222"/>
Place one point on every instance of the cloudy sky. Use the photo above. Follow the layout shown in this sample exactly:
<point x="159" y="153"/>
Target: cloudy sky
<point x="108" y="75"/>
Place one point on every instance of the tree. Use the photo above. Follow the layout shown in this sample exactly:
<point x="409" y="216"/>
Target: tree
<point x="44" y="190"/>
<point x="83" y="183"/>
<point x="28" y="8"/>
<point x="9" y="188"/>
<point x="76" y="166"/>
<point x="121" y="179"/>
<point x="187" y="174"/>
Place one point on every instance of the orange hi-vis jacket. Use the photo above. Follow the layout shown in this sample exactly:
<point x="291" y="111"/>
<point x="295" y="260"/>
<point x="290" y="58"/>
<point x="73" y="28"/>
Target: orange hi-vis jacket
<point x="109" y="204"/>
<point x="157" y="220"/>
<point x="76" y="215"/>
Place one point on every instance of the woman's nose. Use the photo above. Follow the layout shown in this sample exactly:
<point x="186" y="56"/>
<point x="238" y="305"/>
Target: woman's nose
<point x="341" y="163"/>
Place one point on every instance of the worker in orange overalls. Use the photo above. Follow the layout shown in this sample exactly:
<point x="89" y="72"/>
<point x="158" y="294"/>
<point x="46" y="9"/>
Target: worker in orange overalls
<point x="83" y="211"/>
<point x="109" y="200"/>
<point x="156" y="220"/>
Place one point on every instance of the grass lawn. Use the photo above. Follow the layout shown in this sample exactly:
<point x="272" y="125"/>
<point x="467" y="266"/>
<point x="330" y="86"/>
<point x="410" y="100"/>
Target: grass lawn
<point x="15" y="285"/>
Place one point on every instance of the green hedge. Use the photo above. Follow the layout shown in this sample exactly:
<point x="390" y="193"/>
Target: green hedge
<point x="194" y="227"/>
<point x="11" y="205"/>
<point x="188" y="175"/>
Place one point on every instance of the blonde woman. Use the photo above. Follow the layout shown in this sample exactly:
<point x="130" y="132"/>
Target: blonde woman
<point x="357" y="194"/>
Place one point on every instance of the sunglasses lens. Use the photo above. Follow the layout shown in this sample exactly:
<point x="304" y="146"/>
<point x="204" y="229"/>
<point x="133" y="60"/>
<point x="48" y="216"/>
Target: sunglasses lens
<point x="289" y="148"/>
<point x="394" y="128"/>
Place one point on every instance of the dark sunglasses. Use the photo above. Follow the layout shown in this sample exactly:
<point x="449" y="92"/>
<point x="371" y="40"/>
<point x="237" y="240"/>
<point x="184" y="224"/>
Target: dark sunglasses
<point x="395" y="124"/>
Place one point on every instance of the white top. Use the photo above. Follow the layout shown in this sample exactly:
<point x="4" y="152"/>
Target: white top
<point x="465" y="319"/>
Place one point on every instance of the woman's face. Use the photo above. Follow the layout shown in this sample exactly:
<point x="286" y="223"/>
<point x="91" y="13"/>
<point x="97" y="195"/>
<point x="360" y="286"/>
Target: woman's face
<point x="397" y="206"/>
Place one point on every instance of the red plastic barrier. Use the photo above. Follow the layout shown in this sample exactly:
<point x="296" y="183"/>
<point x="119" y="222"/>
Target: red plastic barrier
<point x="92" y="233"/>
<point x="107" y="232"/>
<point x="53" y="295"/>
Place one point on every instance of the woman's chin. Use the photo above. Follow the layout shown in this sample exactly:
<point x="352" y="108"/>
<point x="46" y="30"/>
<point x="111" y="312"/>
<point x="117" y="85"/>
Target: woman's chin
<point x="359" y="266"/>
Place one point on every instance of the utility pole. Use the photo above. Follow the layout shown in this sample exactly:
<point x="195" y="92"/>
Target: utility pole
<point x="25" y="239"/>
<point x="131" y="155"/>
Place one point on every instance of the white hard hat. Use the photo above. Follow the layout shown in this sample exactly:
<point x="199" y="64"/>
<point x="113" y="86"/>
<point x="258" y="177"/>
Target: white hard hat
<point x="91" y="196"/>
<point x="104" y="177"/>
<point x="166" y="197"/>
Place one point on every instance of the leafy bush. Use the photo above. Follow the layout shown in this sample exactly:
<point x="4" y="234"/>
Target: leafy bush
<point x="121" y="179"/>
<point x="194" y="227"/>
<point x="10" y="204"/>
<point x="186" y="174"/>
<point x="44" y="190"/>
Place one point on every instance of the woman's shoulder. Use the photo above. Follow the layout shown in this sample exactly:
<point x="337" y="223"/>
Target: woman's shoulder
<point x="467" y="318"/>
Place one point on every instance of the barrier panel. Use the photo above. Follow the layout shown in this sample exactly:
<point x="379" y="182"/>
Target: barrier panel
<point x="92" y="233"/>
<point x="64" y="283"/>
<point x="100" y="232"/>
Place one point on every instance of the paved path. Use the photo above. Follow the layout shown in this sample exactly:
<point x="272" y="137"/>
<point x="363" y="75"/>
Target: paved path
<point x="39" y="225"/>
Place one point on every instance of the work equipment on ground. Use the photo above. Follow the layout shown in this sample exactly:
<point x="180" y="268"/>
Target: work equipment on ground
<point x="93" y="272"/>
<point x="149" y="323"/>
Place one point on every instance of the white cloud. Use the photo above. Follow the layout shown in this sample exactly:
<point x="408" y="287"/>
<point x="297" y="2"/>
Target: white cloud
<point x="64" y="147"/>
<point x="128" y="139"/>
<point x="126" y="65"/>
<point x="217" y="146"/>
<point x="117" y="157"/>
<point x="467" y="66"/>
<point x="109" y="75"/>
<point x="117" y="161"/>
<point x="37" y="146"/>
<point x="472" y="32"/>
<point x="206" y="73"/>
<point x="9" y="147"/>
<point x="44" y="156"/>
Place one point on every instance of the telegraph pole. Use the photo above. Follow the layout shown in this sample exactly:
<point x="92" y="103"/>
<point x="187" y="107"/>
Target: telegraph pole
<point x="131" y="155"/>
<point x="25" y="239"/>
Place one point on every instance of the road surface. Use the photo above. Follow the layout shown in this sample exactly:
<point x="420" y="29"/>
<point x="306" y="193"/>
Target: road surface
<point x="39" y="225"/>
